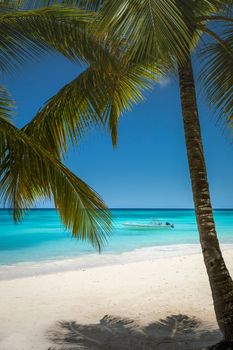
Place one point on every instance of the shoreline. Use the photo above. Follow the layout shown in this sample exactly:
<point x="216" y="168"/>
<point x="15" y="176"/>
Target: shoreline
<point x="174" y="290"/>
<point x="95" y="260"/>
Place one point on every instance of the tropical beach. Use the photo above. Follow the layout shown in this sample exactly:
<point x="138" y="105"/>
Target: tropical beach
<point x="116" y="219"/>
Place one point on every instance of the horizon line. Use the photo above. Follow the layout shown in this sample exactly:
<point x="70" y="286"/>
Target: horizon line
<point x="125" y="208"/>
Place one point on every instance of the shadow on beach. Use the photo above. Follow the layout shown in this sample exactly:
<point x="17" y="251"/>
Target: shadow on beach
<point x="176" y="332"/>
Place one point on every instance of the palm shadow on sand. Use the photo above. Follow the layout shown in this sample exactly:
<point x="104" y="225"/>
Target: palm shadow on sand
<point x="176" y="332"/>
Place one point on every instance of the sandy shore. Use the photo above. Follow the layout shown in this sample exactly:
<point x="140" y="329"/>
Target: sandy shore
<point x="157" y="304"/>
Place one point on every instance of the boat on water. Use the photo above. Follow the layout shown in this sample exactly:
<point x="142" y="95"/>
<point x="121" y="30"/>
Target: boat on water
<point x="152" y="225"/>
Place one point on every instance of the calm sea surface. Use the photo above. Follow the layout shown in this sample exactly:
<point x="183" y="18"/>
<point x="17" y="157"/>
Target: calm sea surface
<point x="41" y="237"/>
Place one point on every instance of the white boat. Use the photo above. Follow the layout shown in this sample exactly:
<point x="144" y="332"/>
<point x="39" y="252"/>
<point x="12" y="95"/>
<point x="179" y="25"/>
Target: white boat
<point x="153" y="225"/>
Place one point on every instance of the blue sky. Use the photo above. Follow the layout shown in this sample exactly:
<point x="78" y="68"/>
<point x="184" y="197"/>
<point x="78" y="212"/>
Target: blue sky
<point x="149" y="168"/>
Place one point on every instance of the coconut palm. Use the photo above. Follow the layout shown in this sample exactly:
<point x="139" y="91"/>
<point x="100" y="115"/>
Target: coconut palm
<point x="154" y="36"/>
<point x="143" y="39"/>
<point x="147" y="27"/>
<point x="169" y="33"/>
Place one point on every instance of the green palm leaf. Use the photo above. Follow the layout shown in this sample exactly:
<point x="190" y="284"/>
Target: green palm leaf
<point x="96" y="98"/>
<point x="6" y="105"/>
<point x="85" y="4"/>
<point x="151" y="27"/>
<point x="25" y="35"/>
<point x="217" y="74"/>
<point x="28" y="172"/>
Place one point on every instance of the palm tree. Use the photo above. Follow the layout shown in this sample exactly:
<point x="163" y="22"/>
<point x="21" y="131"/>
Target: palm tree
<point x="149" y="28"/>
<point x="142" y="40"/>
<point x="28" y="170"/>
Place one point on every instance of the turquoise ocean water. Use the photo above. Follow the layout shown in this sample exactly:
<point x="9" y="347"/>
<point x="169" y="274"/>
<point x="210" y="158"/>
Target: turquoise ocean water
<point x="41" y="236"/>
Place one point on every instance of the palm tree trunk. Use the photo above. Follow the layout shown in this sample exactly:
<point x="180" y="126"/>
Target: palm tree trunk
<point x="219" y="277"/>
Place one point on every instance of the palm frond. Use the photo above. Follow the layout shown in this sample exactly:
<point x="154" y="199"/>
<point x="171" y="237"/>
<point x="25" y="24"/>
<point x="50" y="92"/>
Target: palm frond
<point x="92" y="5"/>
<point x="71" y="35"/>
<point x="28" y="172"/>
<point x="151" y="27"/>
<point x="224" y="6"/>
<point x="219" y="11"/>
<point x="6" y="105"/>
<point x="217" y="74"/>
<point x="95" y="98"/>
<point x="26" y="34"/>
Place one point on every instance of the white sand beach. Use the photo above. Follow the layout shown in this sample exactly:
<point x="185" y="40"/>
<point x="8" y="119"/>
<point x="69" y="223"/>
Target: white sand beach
<point x="168" y="300"/>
